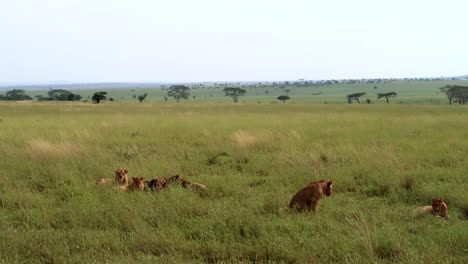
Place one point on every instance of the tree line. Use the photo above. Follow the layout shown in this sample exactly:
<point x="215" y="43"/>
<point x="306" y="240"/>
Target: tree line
<point x="454" y="93"/>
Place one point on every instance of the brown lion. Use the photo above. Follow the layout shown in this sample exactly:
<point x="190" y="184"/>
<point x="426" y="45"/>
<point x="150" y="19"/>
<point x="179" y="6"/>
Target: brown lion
<point x="308" y="197"/>
<point x="138" y="184"/>
<point x="186" y="184"/>
<point x="157" y="184"/>
<point x="194" y="186"/>
<point x="121" y="178"/>
<point x="438" y="208"/>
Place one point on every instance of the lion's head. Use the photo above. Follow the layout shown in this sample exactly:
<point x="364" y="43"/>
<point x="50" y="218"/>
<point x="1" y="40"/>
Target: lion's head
<point x="138" y="183"/>
<point x="121" y="176"/>
<point x="437" y="204"/>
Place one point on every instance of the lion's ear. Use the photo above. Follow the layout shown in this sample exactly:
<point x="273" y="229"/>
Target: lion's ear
<point x="141" y="178"/>
<point x="126" y="171"/>
<point x="330" y="183"/>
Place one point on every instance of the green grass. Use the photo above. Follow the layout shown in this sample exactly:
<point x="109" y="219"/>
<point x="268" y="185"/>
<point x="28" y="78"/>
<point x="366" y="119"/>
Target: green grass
<point x="385" y="160"/>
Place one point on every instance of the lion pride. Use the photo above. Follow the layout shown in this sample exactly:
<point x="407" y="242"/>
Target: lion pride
<point x="308" y="197"/>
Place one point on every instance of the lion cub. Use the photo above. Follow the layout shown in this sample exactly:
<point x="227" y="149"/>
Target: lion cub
<point x="194" y="186"/>
<point x="157" y="184"/>
<point x="308" y="197"/>
<point x="438" y="208"/>
<point x="138" y="184"/>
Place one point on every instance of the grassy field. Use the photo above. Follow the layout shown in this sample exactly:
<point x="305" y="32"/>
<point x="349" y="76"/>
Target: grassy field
<point x="421" y="92"/>
<point x="385" y="160"/>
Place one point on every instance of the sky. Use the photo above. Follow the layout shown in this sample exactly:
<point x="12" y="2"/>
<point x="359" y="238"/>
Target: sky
<point x="224" y="40"/>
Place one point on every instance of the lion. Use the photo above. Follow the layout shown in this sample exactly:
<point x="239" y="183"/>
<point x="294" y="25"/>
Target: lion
<point x="157" y="184"/>
<point x="187" y="184"/>
<point x="121" y="178"/>
<point x="438" y="208"/>
<point x="173" y="179"/>
<point x="308" y="197"/>
<point x="138" y="184"/>
<point x="160" y="183"/>
<point x="195" y="186"/>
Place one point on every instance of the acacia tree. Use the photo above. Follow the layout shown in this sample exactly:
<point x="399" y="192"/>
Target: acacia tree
<point x="15" y="95"/>
<point x="460" y="93"/>
<point x="283" y="98"/>
<point x="59" y="95"/>
<point x="354" y="96"/>
<point x="141" y="98"/>
<point x="178" y="92"/>
<point x="99" y="96"/>
<point x="234" y="92"/>
<point x="387" y="95"/>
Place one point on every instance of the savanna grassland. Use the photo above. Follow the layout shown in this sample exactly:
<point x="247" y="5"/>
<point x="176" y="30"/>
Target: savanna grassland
<point x="385" y="160"/>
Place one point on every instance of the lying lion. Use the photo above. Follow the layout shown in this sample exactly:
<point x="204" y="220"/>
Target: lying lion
<point x="438" y="208"/>
<point x="121" y="178"/>
<point x="160" y="183"/>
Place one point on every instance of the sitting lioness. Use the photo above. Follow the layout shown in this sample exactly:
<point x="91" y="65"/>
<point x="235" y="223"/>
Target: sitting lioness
<point x="308" y="197"/>
<point x="438" y="208"/>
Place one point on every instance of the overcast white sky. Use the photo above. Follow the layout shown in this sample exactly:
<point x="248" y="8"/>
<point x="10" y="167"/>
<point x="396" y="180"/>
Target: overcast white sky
<point x="214" y="40"/>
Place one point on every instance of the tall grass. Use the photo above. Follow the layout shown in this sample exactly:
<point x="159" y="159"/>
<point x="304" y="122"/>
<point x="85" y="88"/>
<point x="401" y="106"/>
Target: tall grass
<point x="385" y="160"/>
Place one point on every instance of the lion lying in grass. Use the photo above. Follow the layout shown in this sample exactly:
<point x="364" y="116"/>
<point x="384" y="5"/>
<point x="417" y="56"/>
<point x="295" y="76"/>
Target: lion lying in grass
<point x="160" y="183"/>
<point x="121" y="178"/>
<point x="157" y="184"/>
<point x="438" y="208"/>
<point x="138" y="184"/>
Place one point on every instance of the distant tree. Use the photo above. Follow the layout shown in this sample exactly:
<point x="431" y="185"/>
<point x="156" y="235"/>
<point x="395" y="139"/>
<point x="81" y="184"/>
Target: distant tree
<point x="287" y="91"/>
<point x="234" y="93"/>
<point x="141" y="98"/>
<point x="15" y="95"/>
<point x="387" y="95"/>
<point x="457" y="92"/>
<point x="99" y="96"/>
<point x="63" y="95"/>
<point x="368" y="101"/>
<point x="178" y="92"/>
<point x="111" y="99"/>
<point x="283" y="98"/>
<point x="165" y="99"/>
<point x="354" y="96"/>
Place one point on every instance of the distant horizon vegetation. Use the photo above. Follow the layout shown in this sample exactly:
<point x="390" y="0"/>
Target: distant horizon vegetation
<point x="438" y="90"/>
<point x="122" y="84"/>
